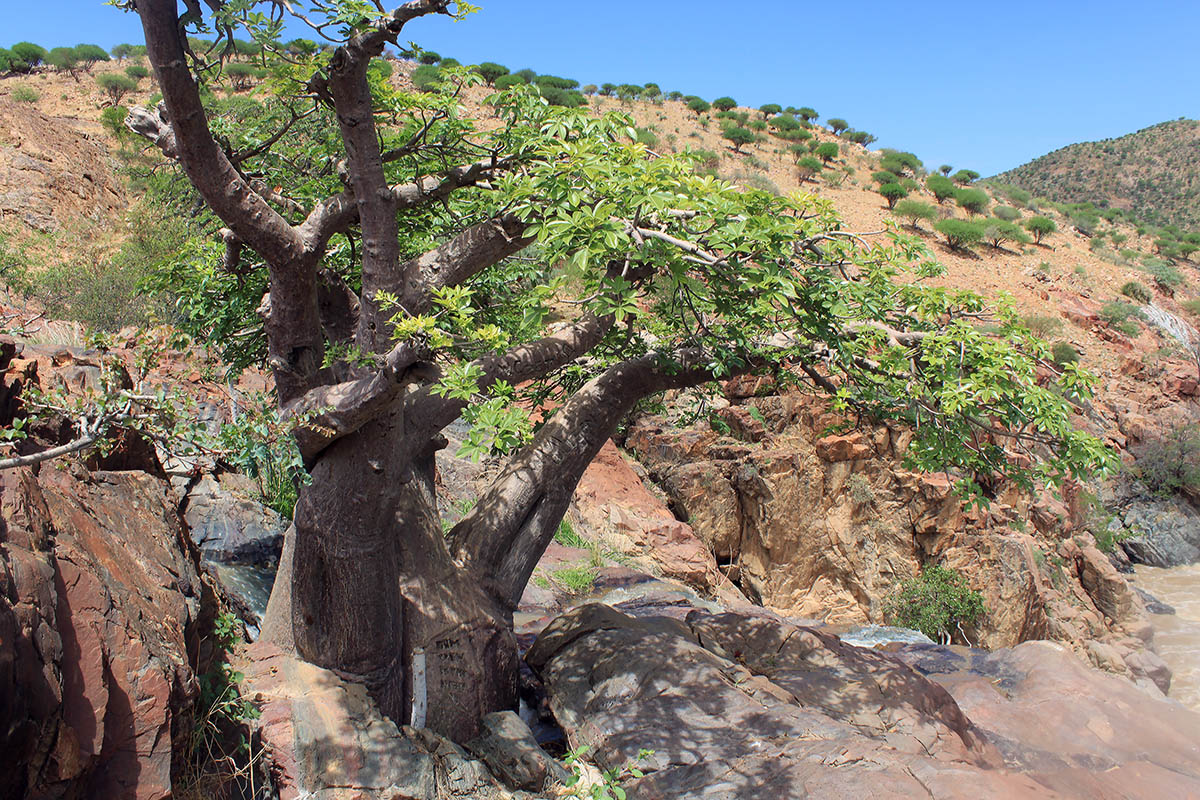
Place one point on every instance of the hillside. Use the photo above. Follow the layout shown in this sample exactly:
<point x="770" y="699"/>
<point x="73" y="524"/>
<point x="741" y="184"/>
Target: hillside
<point x="1153" y="173"/>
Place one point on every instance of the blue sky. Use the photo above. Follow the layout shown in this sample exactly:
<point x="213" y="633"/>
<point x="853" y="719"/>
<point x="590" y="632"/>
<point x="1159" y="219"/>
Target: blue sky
<point x="981" y="85"/>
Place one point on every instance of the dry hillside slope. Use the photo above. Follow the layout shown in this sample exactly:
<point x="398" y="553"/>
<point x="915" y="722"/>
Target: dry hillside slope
<point x="1153" y="173"/>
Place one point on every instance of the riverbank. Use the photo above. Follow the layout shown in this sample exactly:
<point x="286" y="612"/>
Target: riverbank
<point x="1177" y="636"/>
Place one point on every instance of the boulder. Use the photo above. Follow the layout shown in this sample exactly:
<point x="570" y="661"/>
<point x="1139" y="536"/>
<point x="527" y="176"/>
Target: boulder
<point x="1167" y="530"/>
<point x="102" y="604"/>
<point x="229" y="523"/>
<point x="748" y="706"/>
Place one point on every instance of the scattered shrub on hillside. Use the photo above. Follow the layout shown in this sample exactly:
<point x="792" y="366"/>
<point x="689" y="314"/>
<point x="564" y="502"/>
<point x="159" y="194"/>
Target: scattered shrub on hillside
<point x="426" y="77"/>
<point x="808" y="168"/>
<point x="724" y="103"/>
<point x="914" y="211"/>
<point x="116" y="85"/>
<point x="997" y="231"/>
<point x="429" y="57"/>
<point x="25" y="94"/>
<point x="1122" y="316"/>
<point x="739" y="136"/>
<point x="1085" y="222"/>
<point x="698" y="105"/>
<point x="25" y="56"/>
<point x="901" y="163"/>
<point x="1040" y="227"/>
<point x="892" y="193"/>
<point x="1043" y="326"/>
<point x="490" y="70"/>
<point x="837" y="125"/>
<point x="960" y="233"/>
<point x="826" y="151"/>
<point x="1171" y="463"/>
<point x="965" y="177"/>
<point x="1137" y="291"/>
<point x="973" y="201"/>
<point x="137" y="72"/>
<point x="945" y="169"/>
<point x="90" y="55"/>
<point x="1006" y="213"/>
<point x="1166" y="277"/>
<point x="942" y="187"/>
<point x="1191" y="306"/>
<point x="555" y="81"/>
<point x="770" y="109"/>
<point x="647" y="137"/>
<point x="883" y="176"/>
<point x="1064" y="353"/>
<point x="64" y="59"/>
<point x="241" y="75"/>
<point x="807" y="114"/>
<point x="938" y="604"/>
<point x="502" y="83"/>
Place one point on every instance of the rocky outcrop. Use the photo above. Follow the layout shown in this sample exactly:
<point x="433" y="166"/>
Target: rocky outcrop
<point x="749" y="706"/>
<point x="825" y="525"/>
<point x="102" y="603"/>
<point x="1160" y="531"/>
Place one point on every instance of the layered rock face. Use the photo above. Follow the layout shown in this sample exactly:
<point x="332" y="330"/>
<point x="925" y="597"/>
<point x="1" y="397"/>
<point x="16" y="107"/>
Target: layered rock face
<point x="101" y="606"/>
<point x="739" y="705"/>
<point x="826" y="526"/>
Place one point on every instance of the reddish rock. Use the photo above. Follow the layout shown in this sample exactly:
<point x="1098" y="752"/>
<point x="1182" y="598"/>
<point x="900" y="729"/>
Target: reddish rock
<point x="847" y="447"/>
<point x="101" y="605"/>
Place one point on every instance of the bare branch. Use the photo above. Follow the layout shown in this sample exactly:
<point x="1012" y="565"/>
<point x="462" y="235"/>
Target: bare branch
<point x="75" y="446"/>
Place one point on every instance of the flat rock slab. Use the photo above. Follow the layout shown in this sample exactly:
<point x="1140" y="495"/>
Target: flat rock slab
<point x="748" y="706"/>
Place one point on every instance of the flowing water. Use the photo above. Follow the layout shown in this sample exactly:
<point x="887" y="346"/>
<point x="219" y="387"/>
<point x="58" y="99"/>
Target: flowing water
<point x="1177" y="636"/>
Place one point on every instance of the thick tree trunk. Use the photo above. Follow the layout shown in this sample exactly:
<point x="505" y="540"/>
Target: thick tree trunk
<point x="368" y="589"/>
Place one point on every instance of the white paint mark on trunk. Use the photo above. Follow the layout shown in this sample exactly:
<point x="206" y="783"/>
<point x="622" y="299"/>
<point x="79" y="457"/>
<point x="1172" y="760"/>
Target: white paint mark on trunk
<point x="420" y="701"/>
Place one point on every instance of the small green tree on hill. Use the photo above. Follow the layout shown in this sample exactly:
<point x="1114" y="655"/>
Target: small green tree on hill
<point x="965" y="177"/>
<point x="837" y="125"/>
<point x="892" y="193"/>
<point x="960" y="233"/>
<point x="64" y="59"/>
<point x="698" y="105"/>
<point x="724" y="103"/>
<point x="808" y="168"/>
<point x="116" y="85"/>
<point x="942" y="187"/>
<point x="807" y="114"/>
<point x="490" y="70"/>
<point x="826" y="151"/>
<point x="915" y="211"/>
<point x="973" y="201"/>
<point x="739" y="136"/>
<point x="90" y="55"/>
<point x="770" y="109"/>
<point x="938" y="603"/>
<point x="1040" y="227"/>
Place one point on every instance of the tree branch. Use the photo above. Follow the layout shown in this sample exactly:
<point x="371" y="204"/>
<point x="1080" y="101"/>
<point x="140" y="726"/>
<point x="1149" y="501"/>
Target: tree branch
<point x="507" y="531"/>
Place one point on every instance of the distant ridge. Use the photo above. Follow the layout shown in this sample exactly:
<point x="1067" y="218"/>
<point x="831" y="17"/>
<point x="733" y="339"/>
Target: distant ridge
<point x="1153" y="173"/>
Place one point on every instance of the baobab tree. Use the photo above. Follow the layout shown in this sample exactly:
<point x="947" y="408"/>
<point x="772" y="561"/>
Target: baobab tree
<point x="420" y="269"/>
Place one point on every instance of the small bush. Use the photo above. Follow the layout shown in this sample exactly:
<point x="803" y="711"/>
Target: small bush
<point x="1171" y="463"/>
<point x="137" y="72"/>
<point x="965" y="177"/>
<point x="808" y="168"/>
<point x="1040" y="227"/>
<point x="997" y="231"/>
<point x="1064" y="353"/>
<point x="25" y="94"/>
<point x="1137" y="291"/>
<point x="724" y="103"/>
<point x="503" y="82"/>
<point x="490" y="70"/>
<point x="826" y="151"/>
<point x="892" y="193"/>
<point x="426" y="77"/>
<point x="1006" y="213"/>
<point x="914" y="211"/>
<point x="973" y="201"/>
<point x="938" y="604"/>
<point x="739" y="137"/>
<point x="837" y="125"/>
<point x="1122" y="316"/>
<point x="942" y="187"/>
<point x="1043" y="326"/>
<point x="116" y="86"/>
<point x="960" y="233"/>
<point x="698" y="105"/>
